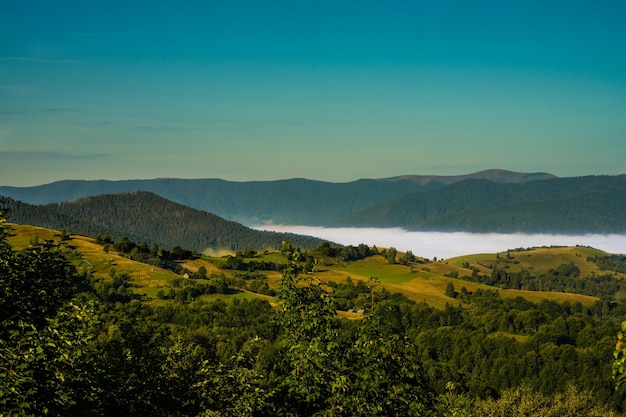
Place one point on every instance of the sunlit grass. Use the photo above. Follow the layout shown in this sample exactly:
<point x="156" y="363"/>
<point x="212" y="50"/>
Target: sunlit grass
<point x="21" y="236"/>
<point x="420" y="281"/>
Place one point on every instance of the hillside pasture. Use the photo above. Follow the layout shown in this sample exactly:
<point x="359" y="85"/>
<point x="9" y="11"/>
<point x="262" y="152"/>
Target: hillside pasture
<point x="21" y="236"/>
<point x="420" y="281"/>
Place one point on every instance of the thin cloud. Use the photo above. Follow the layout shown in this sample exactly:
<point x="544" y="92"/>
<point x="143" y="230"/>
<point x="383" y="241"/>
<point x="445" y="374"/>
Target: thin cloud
<point x="39" y="155"/>
<point x="42" y="111"/>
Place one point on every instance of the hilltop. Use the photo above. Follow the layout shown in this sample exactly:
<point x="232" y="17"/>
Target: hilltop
<point x="495" y="175"/>
<point x="144" y="216"/>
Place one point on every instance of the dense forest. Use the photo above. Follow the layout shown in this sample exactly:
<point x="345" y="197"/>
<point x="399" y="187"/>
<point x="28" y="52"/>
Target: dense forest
<point x="292" y="201"/>
<point x="143" y="216"/>
<point x="565" y="205"/>
<point x="74" y="344"/>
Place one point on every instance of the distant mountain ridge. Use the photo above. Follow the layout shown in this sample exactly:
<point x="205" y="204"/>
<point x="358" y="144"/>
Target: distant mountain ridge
<point x="144" y="216"/>
<point x="295" y="201"/>
<point x="291" y="201"/>
<point x="593" y="204"/>
<point x="495" y="175"/>
<point x="513" y="202"/>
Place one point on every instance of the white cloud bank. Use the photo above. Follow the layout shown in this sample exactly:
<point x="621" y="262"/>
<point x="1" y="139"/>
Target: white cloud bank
<point x="447" y="245"/>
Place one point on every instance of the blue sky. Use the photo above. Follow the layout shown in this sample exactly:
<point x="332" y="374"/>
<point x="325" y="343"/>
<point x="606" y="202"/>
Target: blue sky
<point x="334" y="91"/>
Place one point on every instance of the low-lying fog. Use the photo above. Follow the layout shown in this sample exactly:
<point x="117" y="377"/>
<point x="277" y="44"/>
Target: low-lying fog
<point x="448" y="245"/>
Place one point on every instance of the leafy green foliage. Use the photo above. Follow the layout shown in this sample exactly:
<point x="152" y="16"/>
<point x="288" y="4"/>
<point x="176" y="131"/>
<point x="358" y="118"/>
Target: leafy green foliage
<point x="44" y="332"/>
<point x="368" y="373"/>
<point x="232" y="391"/>
<point x="619" y="363"/>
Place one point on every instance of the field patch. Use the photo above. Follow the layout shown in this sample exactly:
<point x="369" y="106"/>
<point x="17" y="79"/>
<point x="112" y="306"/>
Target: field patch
<point x="379" y="267"/>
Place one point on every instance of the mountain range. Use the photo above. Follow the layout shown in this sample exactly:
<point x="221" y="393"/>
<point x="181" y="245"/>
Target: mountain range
<point x="290" y="201"/>
<point x="577" y="205"/>
<point x="487" y="201"/>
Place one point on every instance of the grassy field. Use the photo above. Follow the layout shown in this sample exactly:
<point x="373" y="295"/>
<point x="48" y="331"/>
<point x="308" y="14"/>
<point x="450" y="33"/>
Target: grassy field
<point x="87" y="256"/>
<point x="22" y="236"/>
<point x="541" y="259"/>
<point x="421" y="281"/>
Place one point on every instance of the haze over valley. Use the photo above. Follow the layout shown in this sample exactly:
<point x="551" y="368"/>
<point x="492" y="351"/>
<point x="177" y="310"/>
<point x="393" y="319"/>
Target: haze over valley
<point x="442" y="245"/>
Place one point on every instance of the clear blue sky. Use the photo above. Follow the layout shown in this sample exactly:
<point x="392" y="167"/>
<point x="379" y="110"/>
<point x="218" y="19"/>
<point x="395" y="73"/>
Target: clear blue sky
<point x="256" y="90"/>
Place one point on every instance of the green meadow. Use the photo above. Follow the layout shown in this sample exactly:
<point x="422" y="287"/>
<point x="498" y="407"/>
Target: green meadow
<point x="422" y="280"/>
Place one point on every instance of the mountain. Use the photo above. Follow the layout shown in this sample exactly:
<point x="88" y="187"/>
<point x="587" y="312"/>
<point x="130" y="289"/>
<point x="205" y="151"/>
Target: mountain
<point x="486" y="201"/>
<point x="144" y="216"/>
<point x="495" y="175"/>
<point x="592" y="204"/>
<point x="292" y="201"/>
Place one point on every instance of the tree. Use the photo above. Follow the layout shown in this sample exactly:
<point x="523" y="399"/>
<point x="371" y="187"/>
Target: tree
<point x="125" y="244"/>
<point x="305" y="313"/>
<point x="408" y="257"/>
<point x="619" y="364"/>
<point x="232" y="391"/>
<point x="201" y="273"/>
<point x="391" y="255"/>
<point x="365" y="372"/>
<point x="44" y="332"/>
<point x="450" y="290"/>
<point x="381" y="376"/>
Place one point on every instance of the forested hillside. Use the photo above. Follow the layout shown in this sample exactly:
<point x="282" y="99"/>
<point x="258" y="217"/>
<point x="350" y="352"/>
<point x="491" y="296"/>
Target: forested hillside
<point x="293" y="201"/>
<point x="144" y="216"/>
<point x="564" y="205"/>
<point x="506" y="202"/>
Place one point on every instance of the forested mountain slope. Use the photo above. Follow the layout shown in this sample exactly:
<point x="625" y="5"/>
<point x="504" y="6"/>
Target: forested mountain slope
<point x="291" y="201"/>
<point x="143" y="216"/>
<point x="593" y="204"/>
<point x="501" y="201"/>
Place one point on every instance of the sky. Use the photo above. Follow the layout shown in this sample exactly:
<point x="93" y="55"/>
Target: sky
<point x="333" y="91"/>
